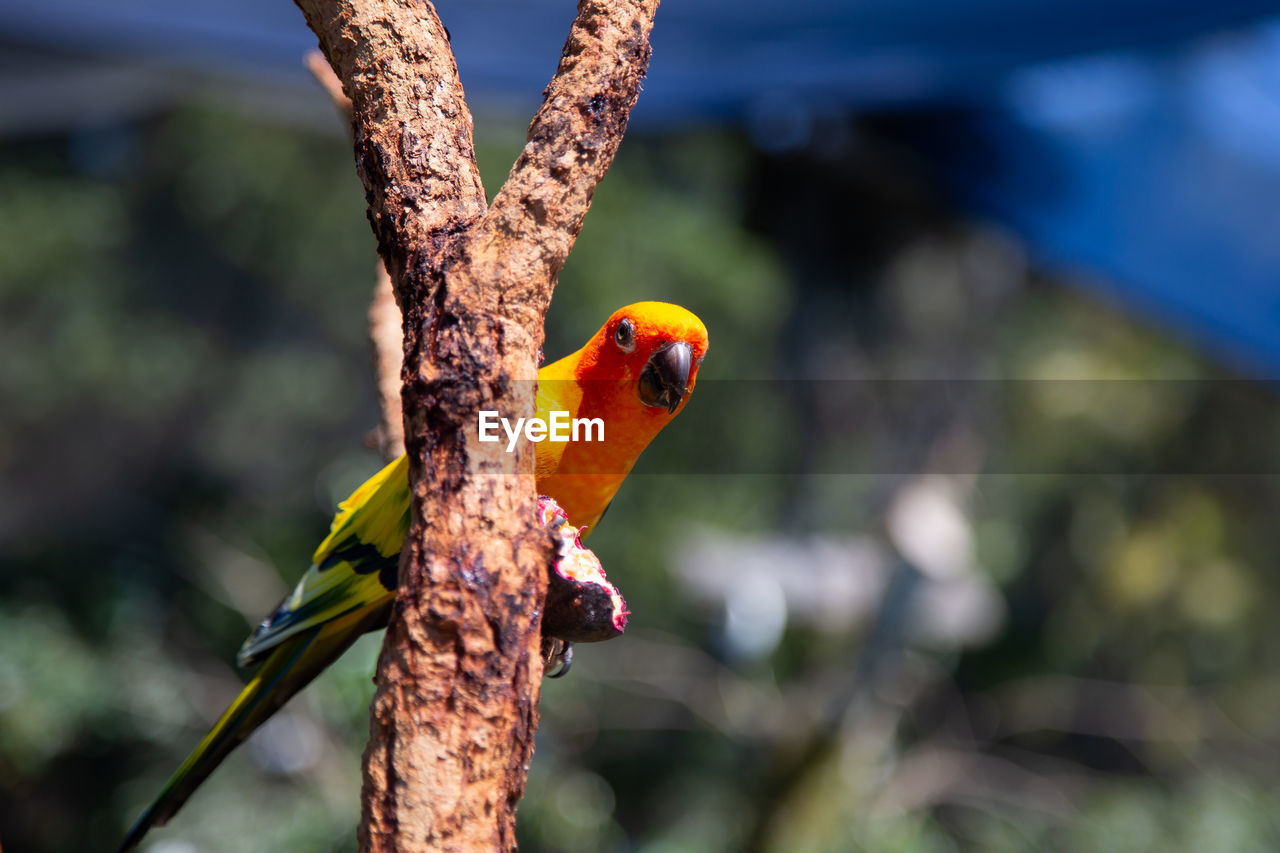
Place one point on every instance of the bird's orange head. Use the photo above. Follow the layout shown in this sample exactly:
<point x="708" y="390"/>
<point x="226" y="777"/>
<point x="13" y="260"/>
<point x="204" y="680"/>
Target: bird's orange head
<point x="651" y="348"/>
<point x="634" y="374"/>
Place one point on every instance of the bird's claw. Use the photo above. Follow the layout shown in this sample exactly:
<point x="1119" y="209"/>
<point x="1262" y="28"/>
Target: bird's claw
<point x="560" y="654"/>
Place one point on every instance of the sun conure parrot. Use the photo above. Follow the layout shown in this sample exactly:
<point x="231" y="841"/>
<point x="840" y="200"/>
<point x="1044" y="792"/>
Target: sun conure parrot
<point x="635" y="374"/>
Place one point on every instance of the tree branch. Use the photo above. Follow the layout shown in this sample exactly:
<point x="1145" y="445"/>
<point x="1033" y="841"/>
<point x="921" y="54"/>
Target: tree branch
<point x="572" y="141"/>
<point x="386" y="334"/>
<point x="459" y="675"/>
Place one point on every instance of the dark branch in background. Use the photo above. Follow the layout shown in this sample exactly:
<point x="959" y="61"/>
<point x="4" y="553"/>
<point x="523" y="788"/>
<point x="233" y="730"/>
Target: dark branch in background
<point x="459" y="676"/>
<point x="386" y="326"/>
<point x="319" y="68"/>
<point x="386" y="334"/>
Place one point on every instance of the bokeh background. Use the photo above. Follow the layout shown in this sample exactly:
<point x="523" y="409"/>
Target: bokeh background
<point x="968" y="540"/>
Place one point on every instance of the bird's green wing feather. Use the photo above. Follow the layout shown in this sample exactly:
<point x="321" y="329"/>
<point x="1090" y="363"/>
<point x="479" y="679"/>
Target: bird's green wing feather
<point x="347" y="591"/>
<point x="289" y="668"/>
<point x="354" y="567"/>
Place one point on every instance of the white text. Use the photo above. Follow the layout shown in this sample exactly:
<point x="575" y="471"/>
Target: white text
<point x="559" y="427"/>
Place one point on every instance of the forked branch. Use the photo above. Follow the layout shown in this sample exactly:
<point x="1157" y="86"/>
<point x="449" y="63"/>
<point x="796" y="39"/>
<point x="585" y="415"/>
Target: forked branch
<point x="459" y="676"/>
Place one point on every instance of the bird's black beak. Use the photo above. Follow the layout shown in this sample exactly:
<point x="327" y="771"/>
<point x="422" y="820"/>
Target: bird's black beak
<point x="666" y="376"/>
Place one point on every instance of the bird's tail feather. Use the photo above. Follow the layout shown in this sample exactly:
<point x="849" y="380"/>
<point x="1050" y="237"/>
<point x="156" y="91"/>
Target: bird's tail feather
<point x="287" y="670"/>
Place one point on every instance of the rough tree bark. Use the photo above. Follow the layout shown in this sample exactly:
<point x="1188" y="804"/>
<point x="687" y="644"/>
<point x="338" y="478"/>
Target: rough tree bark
<point x="458" y="680"/>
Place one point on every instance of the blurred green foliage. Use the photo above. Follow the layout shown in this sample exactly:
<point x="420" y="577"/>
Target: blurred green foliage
<point x="186" y="393"/>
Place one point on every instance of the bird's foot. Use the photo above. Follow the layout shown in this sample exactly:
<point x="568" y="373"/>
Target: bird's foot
<point x="557" y="656"/>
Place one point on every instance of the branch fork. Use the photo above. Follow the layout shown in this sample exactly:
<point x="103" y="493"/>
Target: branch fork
<point x="459" y="677"/>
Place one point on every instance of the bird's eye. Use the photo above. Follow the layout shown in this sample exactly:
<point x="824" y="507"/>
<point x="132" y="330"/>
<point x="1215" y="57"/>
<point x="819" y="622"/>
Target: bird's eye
<point x="625" y="336"/>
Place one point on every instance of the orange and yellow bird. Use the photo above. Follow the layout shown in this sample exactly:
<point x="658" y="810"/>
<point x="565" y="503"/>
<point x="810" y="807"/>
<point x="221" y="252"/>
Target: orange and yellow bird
<point x="634" y="374"/>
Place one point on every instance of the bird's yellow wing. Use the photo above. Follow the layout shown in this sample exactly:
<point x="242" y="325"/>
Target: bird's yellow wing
<point x="355" y="566"/>
<point x="353" y="569"/>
